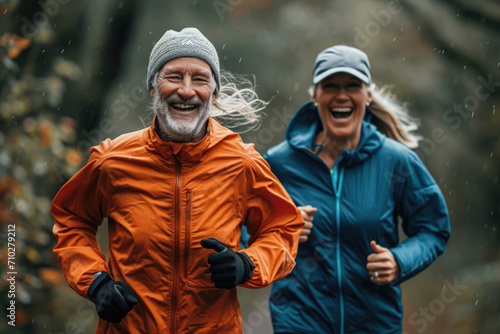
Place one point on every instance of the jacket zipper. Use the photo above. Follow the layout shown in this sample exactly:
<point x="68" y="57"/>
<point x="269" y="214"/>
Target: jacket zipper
<point x="338" y="180"/>
<point x="176" y="242"/>
<point x="188" y="232"/>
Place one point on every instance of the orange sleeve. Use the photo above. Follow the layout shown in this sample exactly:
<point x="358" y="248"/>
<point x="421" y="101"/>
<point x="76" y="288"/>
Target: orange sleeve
<point x="78" y="210"/>
<point x="274" y="224"/>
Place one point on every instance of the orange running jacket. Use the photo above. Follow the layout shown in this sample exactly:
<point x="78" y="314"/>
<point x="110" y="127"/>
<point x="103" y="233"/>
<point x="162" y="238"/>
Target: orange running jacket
<point x="161" y="199"/>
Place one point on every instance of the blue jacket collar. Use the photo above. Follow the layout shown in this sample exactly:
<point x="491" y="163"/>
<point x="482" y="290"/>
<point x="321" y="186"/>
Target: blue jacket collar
<point x="305" y="124"/>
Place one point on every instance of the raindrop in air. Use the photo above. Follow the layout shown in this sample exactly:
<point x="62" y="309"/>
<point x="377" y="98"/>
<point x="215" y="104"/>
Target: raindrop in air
<point x="239" y="61"/>
<point x="62" y="51"/>
<point x="224" y="46"/>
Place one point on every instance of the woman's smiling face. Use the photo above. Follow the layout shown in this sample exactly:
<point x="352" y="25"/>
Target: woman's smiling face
<point x="341" y="100"/>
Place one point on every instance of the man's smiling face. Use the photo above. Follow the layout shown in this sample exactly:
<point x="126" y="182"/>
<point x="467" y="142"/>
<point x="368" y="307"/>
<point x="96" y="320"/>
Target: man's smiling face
<point x="182" y="99"/>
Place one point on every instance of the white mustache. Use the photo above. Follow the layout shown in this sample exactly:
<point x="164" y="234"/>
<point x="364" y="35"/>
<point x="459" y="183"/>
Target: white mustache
<point x="176" y="98"/>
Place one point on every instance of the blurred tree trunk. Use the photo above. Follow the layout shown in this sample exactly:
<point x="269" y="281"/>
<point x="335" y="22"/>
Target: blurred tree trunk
<point x="101" y="56"/>
<point x="455" y="26"/>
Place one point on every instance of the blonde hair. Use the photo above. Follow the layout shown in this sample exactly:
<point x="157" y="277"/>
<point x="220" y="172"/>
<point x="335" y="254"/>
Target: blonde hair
<point x="237" y="105"/>
<point x="391" y="116"/>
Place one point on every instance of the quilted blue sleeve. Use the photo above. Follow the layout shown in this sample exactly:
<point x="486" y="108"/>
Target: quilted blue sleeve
<point x="422" y="207"/>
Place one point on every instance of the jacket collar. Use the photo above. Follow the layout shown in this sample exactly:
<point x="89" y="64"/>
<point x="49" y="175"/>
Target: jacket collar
<point x="185" y="152"/>
<point x="305" y="124"/>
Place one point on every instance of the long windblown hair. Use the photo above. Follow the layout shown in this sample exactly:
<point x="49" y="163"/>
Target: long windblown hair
<point x="237" y="106"/>
<point x="392" y="118"/>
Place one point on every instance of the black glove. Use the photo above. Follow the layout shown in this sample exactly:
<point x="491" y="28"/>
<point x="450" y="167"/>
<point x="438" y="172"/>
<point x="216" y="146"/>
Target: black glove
<point x="112" y="299"/>
<point x="228" y="268"/>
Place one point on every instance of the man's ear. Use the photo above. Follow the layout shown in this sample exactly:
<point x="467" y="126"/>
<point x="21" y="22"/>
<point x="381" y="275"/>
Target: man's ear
<point x="152" y="92"/>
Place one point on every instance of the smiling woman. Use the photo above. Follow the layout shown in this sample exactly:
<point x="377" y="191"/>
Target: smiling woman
<point x="352" y="182"/>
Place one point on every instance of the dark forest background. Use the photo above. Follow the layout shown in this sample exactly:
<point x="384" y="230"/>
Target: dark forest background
<point x="72" y="73"/>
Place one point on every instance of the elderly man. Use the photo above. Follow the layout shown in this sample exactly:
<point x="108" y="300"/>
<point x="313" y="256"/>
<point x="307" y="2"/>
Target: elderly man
<point x="176" y="196"/>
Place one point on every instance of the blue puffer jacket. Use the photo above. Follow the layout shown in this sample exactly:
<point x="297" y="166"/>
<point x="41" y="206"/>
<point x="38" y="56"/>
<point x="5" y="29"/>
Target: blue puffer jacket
<point x="329" y="290"/>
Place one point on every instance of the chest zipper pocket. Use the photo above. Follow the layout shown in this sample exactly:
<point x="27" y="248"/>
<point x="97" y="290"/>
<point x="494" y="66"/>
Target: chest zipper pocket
<point x="187" y="229"/>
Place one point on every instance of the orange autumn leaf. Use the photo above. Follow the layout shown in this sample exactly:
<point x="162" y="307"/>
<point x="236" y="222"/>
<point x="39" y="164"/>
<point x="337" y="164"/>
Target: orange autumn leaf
<point x="45" y="131"/>
<point x="50" y="275"/>
<point x="22" y="317"/>
<point x="15" y="141"/>
<point x="74" y="158"/>
<point x="14" y="44"/>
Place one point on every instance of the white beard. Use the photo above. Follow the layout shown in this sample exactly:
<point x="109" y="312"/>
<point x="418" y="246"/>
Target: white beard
<point x="177" y="128"/>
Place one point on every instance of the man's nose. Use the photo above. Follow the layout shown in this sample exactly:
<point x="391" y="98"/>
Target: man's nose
<point x="186" y="89"/>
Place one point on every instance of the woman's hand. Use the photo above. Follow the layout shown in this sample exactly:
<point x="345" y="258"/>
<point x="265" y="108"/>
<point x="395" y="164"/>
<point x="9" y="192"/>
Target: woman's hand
<point x="307" y="214"/>
<point x="382" y="265"/>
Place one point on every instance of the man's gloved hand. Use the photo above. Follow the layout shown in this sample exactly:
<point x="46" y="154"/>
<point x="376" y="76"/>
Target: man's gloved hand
<point x="112" y="299"/>
<point x="228" y="268"/>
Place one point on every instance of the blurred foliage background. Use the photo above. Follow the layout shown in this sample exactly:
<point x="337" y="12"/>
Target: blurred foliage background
<point x="72" y="73"/>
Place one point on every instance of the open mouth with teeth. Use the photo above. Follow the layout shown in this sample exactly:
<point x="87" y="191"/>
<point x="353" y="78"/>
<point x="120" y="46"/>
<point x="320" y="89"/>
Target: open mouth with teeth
<point x="341" y="112"/>
<point x="184" y="106"/>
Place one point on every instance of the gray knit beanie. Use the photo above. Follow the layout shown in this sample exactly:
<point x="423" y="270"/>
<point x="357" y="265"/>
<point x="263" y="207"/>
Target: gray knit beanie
<point x="189" y="42"/>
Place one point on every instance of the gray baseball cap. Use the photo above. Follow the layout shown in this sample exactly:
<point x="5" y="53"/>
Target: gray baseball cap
<point x="341" y="58"/>
<point x="189" y="42"/>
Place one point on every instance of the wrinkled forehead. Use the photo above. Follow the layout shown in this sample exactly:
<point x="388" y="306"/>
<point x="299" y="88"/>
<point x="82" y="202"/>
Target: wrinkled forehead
<point x="187" y="65"/>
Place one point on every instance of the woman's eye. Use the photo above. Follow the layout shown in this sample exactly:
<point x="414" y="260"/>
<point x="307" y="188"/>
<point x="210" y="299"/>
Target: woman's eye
<point x="329" y="86"/>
